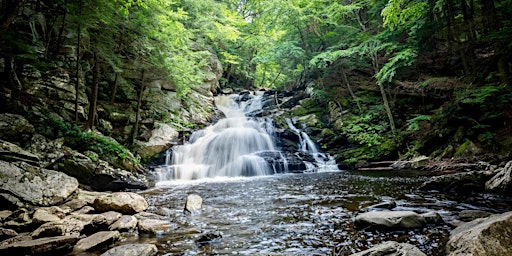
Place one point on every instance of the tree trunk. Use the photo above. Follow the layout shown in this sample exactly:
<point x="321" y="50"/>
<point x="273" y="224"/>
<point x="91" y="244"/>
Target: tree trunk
<point x="77" y="71"/>
<point x="139" y="104"/>
<point x="388" y="109"/>
<point x="93" y="99"/>
<point x="347" y="83"/>
<point x="114" y="90"/>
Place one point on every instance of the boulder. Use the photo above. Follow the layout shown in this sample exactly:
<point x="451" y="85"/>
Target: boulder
<point x="485" y="236"/>
<point x="13" y="153"/>
<point x="65" y="227"/>
<point x="96" y="240"/>
<point x="392" y="248"/>
<point x="390" y="220"/>
<point x="126" y="223"/>
<point x="19" y="220"/>
<point x="15" y="128"/>
<point x="432" y="218"/>
<point x="59" y="245"/>
<point x="48" y="151"/>
<point x="48" y="214"/>
<point x="501" y="183"/>
<point x="104" y="220"/>
<point x="414" y="163"/>
<point x="123" y="202"/>
<point x="99" y="175"/>
<point x="155" y="227"/>
<point x="161" y="138"/>
<point x="25" y="184"/>
<point x="194" y="203"/>
<point x="463" y="182"/>
<point x="132" y="250"/>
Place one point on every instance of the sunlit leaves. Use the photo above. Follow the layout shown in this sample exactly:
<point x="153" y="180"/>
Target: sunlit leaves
<point x="403" y="13"/>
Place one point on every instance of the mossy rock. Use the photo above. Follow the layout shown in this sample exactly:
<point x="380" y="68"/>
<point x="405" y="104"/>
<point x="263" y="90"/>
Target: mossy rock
<point x="467" y="149"/>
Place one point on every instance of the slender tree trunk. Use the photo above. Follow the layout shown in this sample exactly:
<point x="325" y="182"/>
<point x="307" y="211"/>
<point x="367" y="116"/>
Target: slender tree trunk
<point x="77" y="71"/>
<point x="139" y="105"/>
<point x="347" y="83"/>
<point x="93" y="99"/>
<point x="491" y="23"/>
<point x="388" y="109"/>
<point x="61" y="31"/>
<point x="114" y="90"/>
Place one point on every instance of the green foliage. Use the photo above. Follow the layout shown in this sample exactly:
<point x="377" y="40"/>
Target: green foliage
<point x="403" y="13"/>
<point x="400" y="59"/>
<point x="477" y="95"/>
<point x="106" y="148"/>
<point x="413" y="124"/>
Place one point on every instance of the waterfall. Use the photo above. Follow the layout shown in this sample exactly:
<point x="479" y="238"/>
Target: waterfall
<point x="231" y="147"/>
<point x="323" y="162"/>
<point x="241" y="144"/>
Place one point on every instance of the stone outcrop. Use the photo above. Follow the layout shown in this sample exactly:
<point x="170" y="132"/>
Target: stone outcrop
<point x="23" y="184"/>
<point x="501" y="183"/>
<point x="15" y="128"/>
<point x="392" y="248"/>
<point x="463" y="182"/>
<point x="390" y="220"/>
<point x="485" y="236"/>
<point x="99" y="175"/>
<point x="161" y="139"/>
<point x="123" y="202"/>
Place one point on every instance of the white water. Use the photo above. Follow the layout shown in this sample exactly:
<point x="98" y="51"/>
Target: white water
<point x="323" y="162"/>
<point x="227" y="148"/>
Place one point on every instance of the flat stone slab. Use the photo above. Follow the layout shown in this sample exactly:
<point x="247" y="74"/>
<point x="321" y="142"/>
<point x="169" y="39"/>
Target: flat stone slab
<point x="390" y="220"/>
<point x="59" y="245"/>
<point x="132" y="250"/>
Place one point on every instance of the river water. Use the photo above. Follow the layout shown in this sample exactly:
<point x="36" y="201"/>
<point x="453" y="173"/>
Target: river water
<point x="253" y="206"/>
<point x="294" y="214"/>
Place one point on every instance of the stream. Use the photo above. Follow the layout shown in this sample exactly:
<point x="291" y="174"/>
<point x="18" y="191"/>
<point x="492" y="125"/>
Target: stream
<point x="307" y="214"/>
<point x="266" y="192"/>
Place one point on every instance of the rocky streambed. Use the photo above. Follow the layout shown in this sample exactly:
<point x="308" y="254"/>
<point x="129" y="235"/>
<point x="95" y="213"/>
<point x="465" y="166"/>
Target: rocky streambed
<point x="335" y="213"/>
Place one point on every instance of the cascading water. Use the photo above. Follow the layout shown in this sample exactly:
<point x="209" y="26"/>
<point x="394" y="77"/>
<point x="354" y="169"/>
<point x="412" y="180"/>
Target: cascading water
<point x="238" y="145"/>
<point x="323" y="162"/>
<point x="228" y="148"/>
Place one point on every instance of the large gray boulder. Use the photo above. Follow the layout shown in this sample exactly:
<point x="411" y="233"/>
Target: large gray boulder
<point x="99" y="175"/>
<point x="23" y="184"/>
<point x="161" y="138"/>
<point x="11" y="152"/>
<point x="123" y="202"/>
<point x="501" y="183"/>
<point x="485" y="236"/>
<point x="392" y="248"/>
<point x="132" y="250"/>
<point x="390" y="220"/>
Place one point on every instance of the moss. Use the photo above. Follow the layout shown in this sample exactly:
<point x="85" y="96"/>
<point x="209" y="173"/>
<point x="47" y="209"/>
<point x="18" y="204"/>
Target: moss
<point x="467" y="149"/>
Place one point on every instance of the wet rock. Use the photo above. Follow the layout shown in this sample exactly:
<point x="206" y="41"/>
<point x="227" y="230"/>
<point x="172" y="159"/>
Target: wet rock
<point x="59" y="245"/>
<point x="390" y="220"/>
<point x="465" y="182"/>
<point x="433" y="218"/>
<point x="15" y="128"/>
<point x="123" y="202"/>
<point x="126" y="223"/>
<point x="25" y="184"/>
<point x="132" y="250"/>
<point x="6" y="233"/>
<point x="385" y="205"/>
<point x="65" y="227"/>
<point x="209" y="238"/>
<point x="501" y="183"/>
<point x="469" y="215"/>
<point x="97" y="240"/>
<point x="155" y="227"/>
<point x="392" y="248"/>
<point x="160" y="140"/>
<point x="194" y="203"/>
<point x="485" y="236"/>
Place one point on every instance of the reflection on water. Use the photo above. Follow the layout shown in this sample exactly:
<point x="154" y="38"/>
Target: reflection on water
<point x="309" y="214"/>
